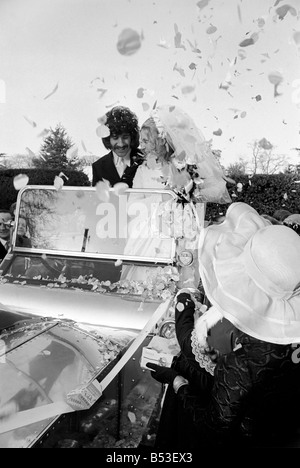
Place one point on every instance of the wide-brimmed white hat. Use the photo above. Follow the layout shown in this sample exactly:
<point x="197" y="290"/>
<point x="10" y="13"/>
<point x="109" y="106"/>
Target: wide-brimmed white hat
<point x="250" y="271"/>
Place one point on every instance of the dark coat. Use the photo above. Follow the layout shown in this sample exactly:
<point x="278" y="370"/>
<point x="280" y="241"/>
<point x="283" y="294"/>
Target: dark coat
<point x="3" y="251"/>
<point x="104" y="168"/>
<point x="176" y="429"/>
<point x="252" y="399"/>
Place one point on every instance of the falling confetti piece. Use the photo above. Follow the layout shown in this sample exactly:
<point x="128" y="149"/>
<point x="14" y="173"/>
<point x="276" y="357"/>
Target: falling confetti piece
<point x="212" y="29"/>
<point x="177" y="38"/>
<point x="140" y="93"/>
<point x="239" y="13"/>
<point x="260" y="22"/>
<point x="61" y="174"/>
<point x="250" y="41"/>
<point x="43" y="133"/>
<point x="129" y="42"/>
<point x="72" y="153"/>
<point x="284" y="9"/>
<point x="118" y="262"/>
<point x="120" y="188"/>
<point x="218" y="132"/>
<point x="275" y="77"/>
<point x="265" y="144"/>
<point x="258" y="98"/>
<point x="192" y="66"/>
<point x="58" y="183"/>
<point x="20" y="181"/>
<point x="296" y="37"/>
<point x="239" y="187"/>
<point x="163" y="43"/>
<point x="180" y="70"/>
<point x="242" y="54"/>
<point x="187" y="89"/>
<point x="52" y="92"/>
<point x="180" y="307"/>
<point x="243" y="114"/>
<point x="31" y="122"/>
<point x="102" y="190"/>
<point x="102" y="131"/>
<point x="285" y="196"/>
<point x="202" y="4"/>
<point x="145" y="106"/>
<point x="83" y="146"/>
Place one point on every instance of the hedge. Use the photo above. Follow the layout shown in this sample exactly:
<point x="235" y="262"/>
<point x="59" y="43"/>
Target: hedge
<point x="8" y="193"/>
<point x="266" y="193"/>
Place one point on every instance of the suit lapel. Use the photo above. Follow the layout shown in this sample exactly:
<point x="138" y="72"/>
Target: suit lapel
<point x="111" y="169"/>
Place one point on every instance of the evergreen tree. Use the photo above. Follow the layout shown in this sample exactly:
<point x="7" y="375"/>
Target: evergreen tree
<point x="53" y="152"/>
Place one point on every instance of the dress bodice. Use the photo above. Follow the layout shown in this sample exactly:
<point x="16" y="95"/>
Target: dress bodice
<point x="147" y="177"/>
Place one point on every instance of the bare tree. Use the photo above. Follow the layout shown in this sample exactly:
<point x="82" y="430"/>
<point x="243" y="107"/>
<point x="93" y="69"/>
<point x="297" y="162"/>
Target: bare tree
<point x="264" y="160"/>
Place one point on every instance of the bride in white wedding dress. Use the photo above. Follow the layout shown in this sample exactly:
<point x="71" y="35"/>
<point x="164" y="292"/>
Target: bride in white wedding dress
<point x="177" y="158"/>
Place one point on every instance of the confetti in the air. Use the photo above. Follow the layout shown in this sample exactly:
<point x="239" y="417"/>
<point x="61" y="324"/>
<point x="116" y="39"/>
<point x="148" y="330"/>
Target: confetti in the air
<point x="265" y="144"/>
<point x="187" y="89"/>
<point x="177" y="38"/>
<point x="180" y="70"/>
<point x="102" y="131"/>
<point x="218" y="132"/>
<point x="72" y="153"/>
<point x="20" y="181"/>
<point x="140" y="93"/>
<point x="239" y="187"/>
<point x="31" y="122"/>
<point x="249" y="41"/>
<point x="43" y="133"/>
<point x="275" y="78"/>
<point x="211" y="29"/>
<point x="163" y="43"/>
<point x="145" y="106"/>
<point x="296" y="37"/>
<point x="118" y="262"/>
<point x="243" y="114"/>
<point x="202" y="4"/>
<point x="120" y="188"/>
<point x="52" y="92"/>
<point x="284" y="9"/>
<point x="58" y="182"/>
<point x="129" y="42"/>
<point x="102" y="190"/>
<point x="180" y="307"/>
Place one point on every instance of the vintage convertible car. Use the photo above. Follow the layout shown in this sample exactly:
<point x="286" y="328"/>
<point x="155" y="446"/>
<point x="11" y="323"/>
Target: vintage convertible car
<point x="85" y="298"/>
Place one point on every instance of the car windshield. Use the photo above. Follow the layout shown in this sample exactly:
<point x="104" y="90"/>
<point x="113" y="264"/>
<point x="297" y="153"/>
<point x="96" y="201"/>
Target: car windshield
<point x="82" y="222"/>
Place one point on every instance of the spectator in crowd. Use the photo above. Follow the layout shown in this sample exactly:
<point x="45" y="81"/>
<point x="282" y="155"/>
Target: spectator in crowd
<point x="12" y="209"/>
<point x="124" y="157"/>
<point x="5" y="232"/>
<point x="22" y="238"/>
<point x="250" y="270"/>
<point x="293" y="221"/>
<point x="281" y="214"/>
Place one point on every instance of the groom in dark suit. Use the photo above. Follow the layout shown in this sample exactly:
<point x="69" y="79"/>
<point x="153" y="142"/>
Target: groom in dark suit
<point x="121" y="163"/>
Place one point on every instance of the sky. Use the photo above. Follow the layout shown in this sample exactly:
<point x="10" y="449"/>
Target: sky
<point x="233" y="65"/>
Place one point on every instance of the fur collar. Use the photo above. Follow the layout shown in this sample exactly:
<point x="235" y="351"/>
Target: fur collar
<point x="205" y="322"/>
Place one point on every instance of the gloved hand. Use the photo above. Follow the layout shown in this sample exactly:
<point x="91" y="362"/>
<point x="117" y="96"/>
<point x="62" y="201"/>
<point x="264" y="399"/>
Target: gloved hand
<point x="162" y="374"/>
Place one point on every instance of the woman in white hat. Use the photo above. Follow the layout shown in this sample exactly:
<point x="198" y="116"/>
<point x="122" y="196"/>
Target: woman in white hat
<point x="250" y="271"/>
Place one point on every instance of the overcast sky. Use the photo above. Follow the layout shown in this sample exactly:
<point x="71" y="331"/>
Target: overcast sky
<point x="232" y="64"/>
